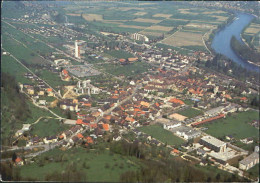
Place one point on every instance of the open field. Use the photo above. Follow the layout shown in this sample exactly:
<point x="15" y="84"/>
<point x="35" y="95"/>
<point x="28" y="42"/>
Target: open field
<point x="92" y="17"/>
<point x="201" y="25"/>
<point x="187" y="11"/>
<point x="165" y="136"/>
<point x="253" y="29"/>
<point x="173" y="22"/>
<point x="140" y="13"/>
<point x="36" y="113"/>
<point x="162" y="15"/>
<point x="9" y="65"/>
<point x="182" y="38"/>
<point x="147" y="33"/>
<point x="220" y="18"/>
<point x="147" y="20"/>
<point x="130" y="8"/>
<point x="159" y="28"/>
<point x="48" y="127"/>
<point x="132" y="26"/>
<point x="190" y="112"/>
<point x="235" y="125"/>
<point x="213" y="12"/>
<point x="97" y="166"/>
<point x="126" y="70"/>
<point x="119" y="54"/>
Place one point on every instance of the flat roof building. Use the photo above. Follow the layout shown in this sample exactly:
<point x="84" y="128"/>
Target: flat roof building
<point x="213" y="143"/>
<point x="249" y="161"/>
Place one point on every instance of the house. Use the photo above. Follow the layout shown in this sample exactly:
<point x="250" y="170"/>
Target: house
<point x="247" y="140"/>
<point x="19" y="161"/>
<point x="42" y="102"/>
<point x="106" y="127"/>
<point x="229" y="137"/>
<point x="175" y="151"/>
<point x="117" y="138"/>
<point x="50" y="92"/>
<point x="50" y="139"/>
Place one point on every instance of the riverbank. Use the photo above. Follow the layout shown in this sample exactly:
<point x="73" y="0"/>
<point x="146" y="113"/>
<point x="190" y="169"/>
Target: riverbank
<point x="221" y="42"/>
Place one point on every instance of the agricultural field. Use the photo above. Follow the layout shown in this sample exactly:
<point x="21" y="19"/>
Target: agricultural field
<point x="165" y="136"/>
<point x="162" y="15"/>
<point x="92" y="17"/>
<point x="190" y="112"/>
<point x="97" y="166"/>
<point x="181" y="38"/>
<point x="48" y="127"/>
<point x="235" y="125"/>
<point x="252" y="35"/>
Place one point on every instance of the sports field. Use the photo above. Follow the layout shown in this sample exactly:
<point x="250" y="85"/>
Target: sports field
<point x="190" y="112"/>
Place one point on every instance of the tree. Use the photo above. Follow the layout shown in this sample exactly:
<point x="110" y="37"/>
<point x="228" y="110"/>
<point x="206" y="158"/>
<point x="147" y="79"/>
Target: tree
<point x="218" y="177"/>
<point x="14" y="157"/>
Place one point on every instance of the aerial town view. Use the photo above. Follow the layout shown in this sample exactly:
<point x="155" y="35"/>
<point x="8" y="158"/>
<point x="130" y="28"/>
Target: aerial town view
<point x="130" y="91"/>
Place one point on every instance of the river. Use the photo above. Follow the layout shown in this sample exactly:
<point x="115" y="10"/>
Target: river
<point x="221" y="41"/>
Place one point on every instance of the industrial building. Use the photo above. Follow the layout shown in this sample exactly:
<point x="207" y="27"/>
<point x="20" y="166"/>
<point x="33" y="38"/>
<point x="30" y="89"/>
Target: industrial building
<point x="249" y="161"/>
<point x="213" y="143"/>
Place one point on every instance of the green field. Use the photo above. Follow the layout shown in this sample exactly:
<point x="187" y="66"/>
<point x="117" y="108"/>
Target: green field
<point x="127" y="70"/>
<point x="101" y="166"/>
<point x="254" y="172"/>
<point x="36" y="113"/>
<point x="190" y="112"/>
<point x="165" y="136"/>
<point x="15" y="69"/>
<point x="237" y="125"/>
<point x="48" y="127"/>
<point x="119" y="54"/>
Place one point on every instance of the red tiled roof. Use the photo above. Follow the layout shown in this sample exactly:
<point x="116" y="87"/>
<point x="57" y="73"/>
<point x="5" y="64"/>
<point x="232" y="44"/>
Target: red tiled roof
<point x="106" y="127"/>
<point x="79" y="135"/>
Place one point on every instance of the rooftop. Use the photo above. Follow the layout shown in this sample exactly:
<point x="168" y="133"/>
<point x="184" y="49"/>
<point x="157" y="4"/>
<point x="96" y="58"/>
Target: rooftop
<point x="213" y="140"/>
<point x="250" y="158"/>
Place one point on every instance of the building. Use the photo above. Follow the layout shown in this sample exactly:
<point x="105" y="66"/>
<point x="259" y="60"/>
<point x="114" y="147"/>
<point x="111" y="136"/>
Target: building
<point x="171" y="125"/>
<point x="139" y="37"/>
<point x="186" y="132"/>
<point x="213" y="143"/>
<point x="249" y="161"/>
<point x="84" y="87"/>
<point x="77" y="49"/>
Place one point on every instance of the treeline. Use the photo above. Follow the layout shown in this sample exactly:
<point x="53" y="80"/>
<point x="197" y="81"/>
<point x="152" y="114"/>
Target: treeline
<point x="174" y="170"/>
<point x="159" y="166"/>
<point x="244" y="51"/>
<point x="13" y="107"/>
<point x="226" y="66"/>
